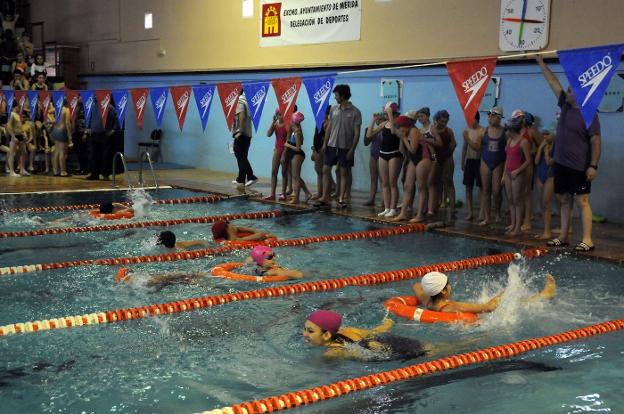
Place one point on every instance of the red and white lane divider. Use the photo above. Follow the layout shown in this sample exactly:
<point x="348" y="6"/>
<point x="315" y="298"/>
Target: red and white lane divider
<point x="188" y="200"/>
<point x="141" y="224"/>
<point x="281" y="290"/>
<point x="196" y="254"/>
<point x="324" y="392"/>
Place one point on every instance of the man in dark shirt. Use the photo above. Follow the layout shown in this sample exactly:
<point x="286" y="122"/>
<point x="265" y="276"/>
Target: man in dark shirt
<point x="100" y="142"/>
<point x="577" y="153"/>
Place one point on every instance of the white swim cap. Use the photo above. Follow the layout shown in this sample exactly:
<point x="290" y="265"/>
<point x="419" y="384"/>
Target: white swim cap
<point x="433" y="283"/>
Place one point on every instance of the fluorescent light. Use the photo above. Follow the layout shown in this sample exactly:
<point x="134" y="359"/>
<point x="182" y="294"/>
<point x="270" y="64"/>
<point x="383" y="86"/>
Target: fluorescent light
<point x="248" y="8"/>
<point x="148" y="20"/>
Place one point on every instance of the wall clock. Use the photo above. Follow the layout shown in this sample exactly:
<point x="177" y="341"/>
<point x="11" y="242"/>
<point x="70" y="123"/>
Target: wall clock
<point x="524" y="25"/>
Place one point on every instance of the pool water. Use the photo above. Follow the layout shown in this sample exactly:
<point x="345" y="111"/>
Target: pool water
<point x="242" y="351"/>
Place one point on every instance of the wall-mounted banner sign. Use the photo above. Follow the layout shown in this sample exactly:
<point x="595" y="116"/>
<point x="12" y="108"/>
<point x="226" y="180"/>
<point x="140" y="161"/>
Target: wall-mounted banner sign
<point x="298" y="22"/>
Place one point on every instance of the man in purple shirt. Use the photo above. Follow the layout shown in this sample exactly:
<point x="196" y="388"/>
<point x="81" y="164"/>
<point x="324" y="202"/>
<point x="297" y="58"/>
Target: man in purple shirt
<point x="577" y="152"/>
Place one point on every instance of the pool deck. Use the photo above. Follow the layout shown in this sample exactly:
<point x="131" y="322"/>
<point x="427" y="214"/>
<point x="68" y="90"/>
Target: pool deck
<point x="608" y="237"/>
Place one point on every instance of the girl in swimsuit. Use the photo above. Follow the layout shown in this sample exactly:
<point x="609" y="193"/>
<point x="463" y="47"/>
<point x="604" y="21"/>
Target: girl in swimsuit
<point x="264" y="258"/>
<point x="295" y="156"/>
<point x="323" y="328"/>
<point x="277" y="128"/>
<point x="545" y="182"/>
<point x="417" y="169"/>
<point x="373" y="163"/>
<point x="390" y="159"/>
<point x="446" y="187"/>
<point x="434" y="292"/>
<point x="492" y="145"/>
<point x="518" y="160"/>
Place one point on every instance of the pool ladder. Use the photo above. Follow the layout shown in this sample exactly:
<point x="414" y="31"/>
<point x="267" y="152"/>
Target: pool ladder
<point x="142" y="156"/>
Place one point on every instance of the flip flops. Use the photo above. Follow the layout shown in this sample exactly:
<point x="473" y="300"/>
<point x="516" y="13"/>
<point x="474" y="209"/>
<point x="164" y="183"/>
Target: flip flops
<point x="556" y="243"/>
<point x="583" y="247"/>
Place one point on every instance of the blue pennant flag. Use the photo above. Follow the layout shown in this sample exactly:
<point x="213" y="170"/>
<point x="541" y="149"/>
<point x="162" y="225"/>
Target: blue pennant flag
<point x="121" y="103"/>
<point x="589" y="71"/>
<point x="88" y="101"/>
<point x="33" y="99"/>
<point x="58" y="97"/>
<point x="203" y="98"/>
<point x="9" y="97"/>
<point x="256" y="93"/>
<point x="158" y="97"/>
<point x="319" y="90"/>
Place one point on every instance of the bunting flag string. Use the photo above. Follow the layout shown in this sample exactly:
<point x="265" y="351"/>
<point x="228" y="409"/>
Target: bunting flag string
<point x="44" y="98"/>
<point x="203" y="98"/>
<point x="588" y="70"/>
<point x="256" y="93"/>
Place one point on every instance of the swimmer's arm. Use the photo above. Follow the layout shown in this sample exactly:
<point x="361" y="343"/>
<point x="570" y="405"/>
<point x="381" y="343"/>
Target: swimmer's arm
<point x="464" y="149"/>
<point x="336" y="353"/>
<point x="539" y="154"/>
<point x="453" y="143"/>
<point x="289" y="273"/>
<point x="190" y="243"/>
<point x="420" y="294"/>
<point x="256" y="234"/>
<point x="414" y="140"/>
<point x="385" y="326"/>
<point x="122" y="207"/>
<point x="489" y="306"/>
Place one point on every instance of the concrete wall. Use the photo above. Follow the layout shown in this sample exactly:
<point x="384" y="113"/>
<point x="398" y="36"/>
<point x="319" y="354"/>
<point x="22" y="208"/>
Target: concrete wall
<point x="522" y="86"/>
<point x="212" y="35"/>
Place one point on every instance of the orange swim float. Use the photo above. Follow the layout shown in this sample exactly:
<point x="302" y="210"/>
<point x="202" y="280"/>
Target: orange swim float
<point x="127" y="214"/>
<point x="407" y="307"/>
<point x="225" y="270"/>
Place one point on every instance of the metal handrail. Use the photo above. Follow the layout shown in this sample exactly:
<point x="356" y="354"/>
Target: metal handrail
<point x="123" y="161"/>
<point x="145" y="154"/>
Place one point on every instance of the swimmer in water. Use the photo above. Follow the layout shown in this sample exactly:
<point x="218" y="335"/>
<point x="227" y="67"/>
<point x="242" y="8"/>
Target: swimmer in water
<point x="114" y="208"/>
<point x="264" y="258"/>
<point x="160" y="280"/>
<point x="323" y="328"/>
<point x="224" y="230"/>
<point x="168" y="239"/>
<point x="434" y="292"/>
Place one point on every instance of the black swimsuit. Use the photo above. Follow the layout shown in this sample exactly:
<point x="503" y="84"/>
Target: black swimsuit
<point x="390" y="144"/>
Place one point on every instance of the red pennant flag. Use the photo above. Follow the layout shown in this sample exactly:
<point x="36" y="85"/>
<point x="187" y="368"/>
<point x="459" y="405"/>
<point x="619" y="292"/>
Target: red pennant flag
<point x="181" y="97"/>
<point x="229" y="93"/>
<point x="470" y="79"/>
<point x="72" y="98"/>
<point x="20" y="100"/>
<point x="286" y="91"/>
<point x="103" y="97"/>
<point x="44" y="99"/>
<point x="139" y="98"/>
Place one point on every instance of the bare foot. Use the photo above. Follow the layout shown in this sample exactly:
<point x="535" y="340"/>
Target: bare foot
<point x="400" y="217"/>
<point x="469" y="217"/>
<point x="417" y="219"/>
<point x="550" y="290"/>
<point x="526" y="227"/>
<point x="293" y="201"/>
<point x="484" y="223"/>
<point x="544" y="236"/>
<point x="508" y="228"/>
<point x="316" y="196"/>
<point x="514" y="233"/>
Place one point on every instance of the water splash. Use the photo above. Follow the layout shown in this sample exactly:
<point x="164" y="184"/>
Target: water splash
<point x="141" y="202"/>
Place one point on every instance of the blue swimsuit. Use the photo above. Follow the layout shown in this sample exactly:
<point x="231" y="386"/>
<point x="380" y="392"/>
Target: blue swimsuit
<point x="493" y="150"/>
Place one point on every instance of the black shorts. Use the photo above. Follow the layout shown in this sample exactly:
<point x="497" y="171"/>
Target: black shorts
<point x="338" y="156"/>
<point x="472" y="173"/>
<point x="570" y="181"/>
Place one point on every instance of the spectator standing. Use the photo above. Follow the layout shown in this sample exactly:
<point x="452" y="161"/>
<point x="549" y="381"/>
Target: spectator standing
<point x="577" y="154"/>
<point x="60" y="135"/>
<point x="471" y="163"/>
<point x="277" y="127"/>
<point x="100" y="143"/>
<point x="374" y="140"/>
<point x="341" y="139"/>
<point x="241" y="132"/>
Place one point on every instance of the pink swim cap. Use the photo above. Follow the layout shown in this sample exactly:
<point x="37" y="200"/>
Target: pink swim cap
<point x="326" y="320"/>
<point x="260" y="253"/>
<point x="297" y="118"/>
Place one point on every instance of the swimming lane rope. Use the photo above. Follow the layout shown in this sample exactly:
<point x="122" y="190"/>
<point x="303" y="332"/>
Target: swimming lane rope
<point x="196" y="254"/>
<point x="189" y="200"/>
<point x="141" y="224"/>
<point x="281" y="290"/>
<point x="337" y="389"/>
